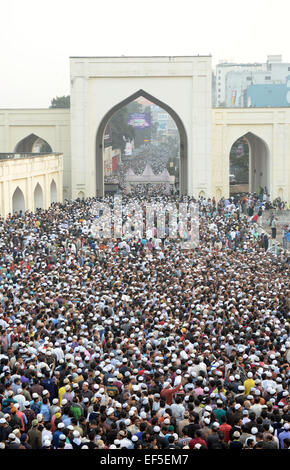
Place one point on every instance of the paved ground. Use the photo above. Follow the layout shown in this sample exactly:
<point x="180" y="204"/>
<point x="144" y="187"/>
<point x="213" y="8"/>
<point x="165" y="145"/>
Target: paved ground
<point x="268" y="230"/>
<point x="283" y="219"/>
<point x="239" y="188"/>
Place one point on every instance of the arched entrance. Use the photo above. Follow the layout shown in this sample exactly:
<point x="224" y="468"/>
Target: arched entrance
<point x="53" y="192"/>
<point x="18" y="202"/>
<point x="249" y="164"/>
<point x="183" y="177"/>
<point x="33" y="144"/>
<point x="38" y="197"/>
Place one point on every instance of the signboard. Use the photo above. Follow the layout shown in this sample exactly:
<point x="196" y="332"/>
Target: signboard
<point x="108" y="136"/>
<point x="140" y="120"/>
<point x="128" y="149"/>
<point x="115" y="162"/>
<point x="234" y="95"/>
<point x="162" y="125"/>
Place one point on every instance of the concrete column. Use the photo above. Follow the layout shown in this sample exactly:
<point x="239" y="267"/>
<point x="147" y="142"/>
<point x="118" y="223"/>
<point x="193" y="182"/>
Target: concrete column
<point x="7" y="195"/>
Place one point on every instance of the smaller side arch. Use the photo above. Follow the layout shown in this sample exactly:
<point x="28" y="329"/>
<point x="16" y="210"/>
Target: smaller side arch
<point x="18" y="201"/>
<point x="33" y="144"/>
<point x="38" y="197"/>
<point x="53" y="192"/>
<point x="218" y="193"/>
<point x="258" y="172"/>
<point x="281" y="194"/>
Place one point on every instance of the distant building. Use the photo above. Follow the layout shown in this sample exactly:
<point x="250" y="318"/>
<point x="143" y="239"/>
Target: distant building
<point x="274" y="95"/>
<point x="233" y="81"/>
<point x="165" y="124"/>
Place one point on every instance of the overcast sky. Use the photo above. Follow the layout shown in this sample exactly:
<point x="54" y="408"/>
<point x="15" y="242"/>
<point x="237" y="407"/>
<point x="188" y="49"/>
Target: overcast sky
<point x="37" y="37"/>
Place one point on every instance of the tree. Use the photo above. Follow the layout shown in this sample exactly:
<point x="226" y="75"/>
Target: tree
<point x="239" y="160"/>
<point x="119" y="125"/>
<point x="60" y="102"/>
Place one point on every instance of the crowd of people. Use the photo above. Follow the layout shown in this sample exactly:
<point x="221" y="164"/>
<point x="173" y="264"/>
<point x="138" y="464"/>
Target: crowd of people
<point x="138" y="343"/>
<point x="157" y="156"/>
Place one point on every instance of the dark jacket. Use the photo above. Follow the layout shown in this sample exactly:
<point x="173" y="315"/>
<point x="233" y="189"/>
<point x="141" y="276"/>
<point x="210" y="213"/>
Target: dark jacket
<point x="4" y="432"/>
<point x="35" y="438"/>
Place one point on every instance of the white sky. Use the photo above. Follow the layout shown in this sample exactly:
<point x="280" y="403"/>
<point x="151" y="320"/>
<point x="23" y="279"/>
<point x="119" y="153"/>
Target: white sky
<point x="37" y="37"/>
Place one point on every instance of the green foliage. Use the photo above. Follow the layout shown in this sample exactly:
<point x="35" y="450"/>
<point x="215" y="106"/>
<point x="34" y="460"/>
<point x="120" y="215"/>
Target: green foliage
<point x="119" y="127"/>
<point x="60" y="102"/>
<point x="239" y="162"/>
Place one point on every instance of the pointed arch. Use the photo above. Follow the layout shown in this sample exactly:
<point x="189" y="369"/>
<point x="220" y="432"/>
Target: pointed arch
<point x="183" y="177"/>
<point x="53" y="192"/>
<point x="259" y="161"/>
<point x="18" y="201"/>
<point x="33" y="144"/>
<point x="38" y="197"/>
<point x="218" y="193"/>
<point x="281" y="194"/>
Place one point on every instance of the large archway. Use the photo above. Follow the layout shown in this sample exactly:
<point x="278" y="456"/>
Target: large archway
<point x="33" y="144"/>
<point x="249" y="164"/>
<point x="183" y="177"/>
<point x="179" y="84"/>
<point x="18" y="201"/>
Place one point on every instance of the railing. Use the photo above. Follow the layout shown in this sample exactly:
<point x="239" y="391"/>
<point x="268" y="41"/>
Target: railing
<point x="16" y="156"/>
<point x="286" y="244"/>
<point x="274" y="245"/>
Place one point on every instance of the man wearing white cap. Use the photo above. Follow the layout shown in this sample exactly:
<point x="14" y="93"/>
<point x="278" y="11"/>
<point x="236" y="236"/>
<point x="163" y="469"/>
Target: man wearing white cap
<point x="284" y="434"/>
<point x="12" y="443"/>
<point x="5" y="429"/>
<point x="57" y="433"/>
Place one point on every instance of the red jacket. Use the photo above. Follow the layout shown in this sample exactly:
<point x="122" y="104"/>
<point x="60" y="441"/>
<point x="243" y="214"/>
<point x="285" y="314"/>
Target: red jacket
<point x="168" y="393"/>
<point x="197" y="440"/>
<point x="225" y="428"/>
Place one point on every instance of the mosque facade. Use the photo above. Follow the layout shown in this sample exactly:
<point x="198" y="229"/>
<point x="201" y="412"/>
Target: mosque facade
<point x="182" y="87"/>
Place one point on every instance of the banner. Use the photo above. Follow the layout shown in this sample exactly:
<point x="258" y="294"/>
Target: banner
<point x="140" y="120"/>
<point x="234" y="95"/>
<point x="128" y="149"/>
<point x="115" y="162"/>
<point x="108" y="136"/>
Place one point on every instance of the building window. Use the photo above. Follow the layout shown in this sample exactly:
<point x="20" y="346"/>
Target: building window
<point x="288" y="69"/>
<point x="267" y="77"/>
<point x="249" y="78"/>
